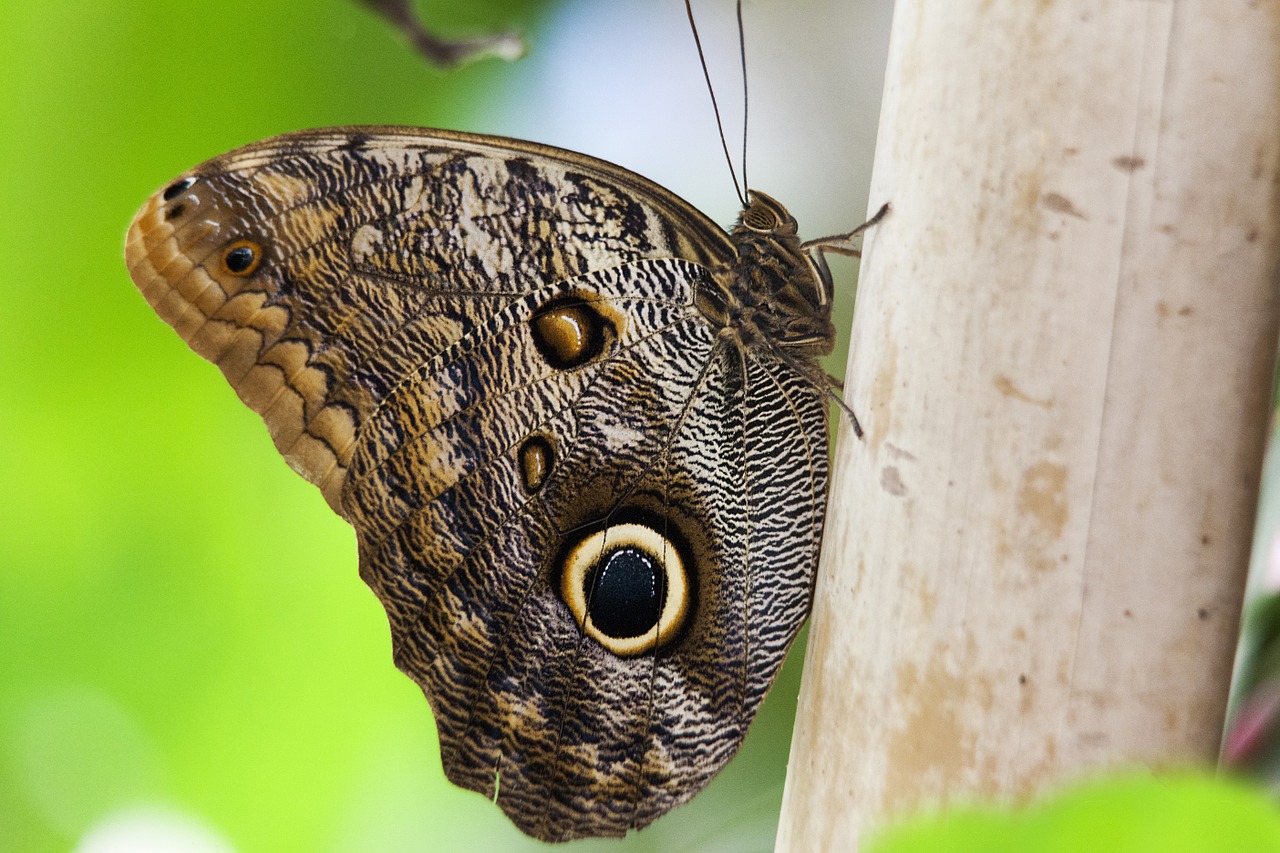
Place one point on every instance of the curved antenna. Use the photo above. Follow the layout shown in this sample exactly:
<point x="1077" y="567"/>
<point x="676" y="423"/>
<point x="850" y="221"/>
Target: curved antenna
<point x="688" y="6"/>
<point x="742" y="54"/>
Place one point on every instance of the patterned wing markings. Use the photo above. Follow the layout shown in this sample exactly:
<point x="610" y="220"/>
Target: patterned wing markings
<point x="787" y="418"/>
<point x="457" y="377"/>
<point x="471" y="591"/>
<point x="581" y="684"/>
<point x="574" y="458"/>
<point x="676" y="724"/>
<point x="323" y="154"/>
<point x="372" y="293"/>
<point x="299" y="262"/>
<point x="571" y="809"/>
<point x="698" y="692"/>
<point x="439" y="526"/>
<point x="319" y="201"/>
<point x="499" y="434"/>
<point x="393" y="185"/>
<point x="440" y="518"/>
<point x="593" y="748"/>
<point x="472" y="784"/>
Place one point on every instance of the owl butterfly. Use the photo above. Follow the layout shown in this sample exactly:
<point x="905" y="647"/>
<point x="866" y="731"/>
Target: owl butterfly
<point x="580" y="432"/>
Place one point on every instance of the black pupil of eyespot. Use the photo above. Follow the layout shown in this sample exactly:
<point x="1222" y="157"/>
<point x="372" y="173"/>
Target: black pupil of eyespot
<point x="239" y="258"/>
<point x="625" y="593"/>
<point x="176" y="189"/>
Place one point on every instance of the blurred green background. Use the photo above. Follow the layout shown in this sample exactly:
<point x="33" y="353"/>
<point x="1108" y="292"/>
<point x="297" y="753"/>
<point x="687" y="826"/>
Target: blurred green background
<point x="186" y="650"/>
<point x="184" y="640"/>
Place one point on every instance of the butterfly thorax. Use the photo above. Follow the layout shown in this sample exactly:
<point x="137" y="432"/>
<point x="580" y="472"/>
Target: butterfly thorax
<point x="773" y="294"/>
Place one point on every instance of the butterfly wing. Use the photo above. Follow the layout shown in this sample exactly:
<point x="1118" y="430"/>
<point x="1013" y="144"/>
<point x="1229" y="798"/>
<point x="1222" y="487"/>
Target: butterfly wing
<point x="487" y="355"/>
<point x="369" y="248"/>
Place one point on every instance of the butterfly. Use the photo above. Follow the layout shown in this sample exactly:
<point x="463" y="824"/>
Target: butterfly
<point x="579" y="429"/>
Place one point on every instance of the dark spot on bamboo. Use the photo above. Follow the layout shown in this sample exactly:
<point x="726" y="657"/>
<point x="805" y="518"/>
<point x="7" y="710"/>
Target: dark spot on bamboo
<point x="1128" y="163"/>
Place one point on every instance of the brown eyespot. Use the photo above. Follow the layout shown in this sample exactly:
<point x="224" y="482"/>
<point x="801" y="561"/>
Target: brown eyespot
<point x="242" y="257"/>
<point x="570" y="332"/>
<point x="536" y="456"/>
<point x="627" y="587"/>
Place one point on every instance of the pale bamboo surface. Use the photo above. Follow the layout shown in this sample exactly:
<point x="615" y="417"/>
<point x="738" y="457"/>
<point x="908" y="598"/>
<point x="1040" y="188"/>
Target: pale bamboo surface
<point x="1062" y="354"/>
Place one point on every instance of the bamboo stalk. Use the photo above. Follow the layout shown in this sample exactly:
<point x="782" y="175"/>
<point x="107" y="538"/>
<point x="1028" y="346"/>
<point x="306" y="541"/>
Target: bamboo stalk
<point x="1063" y="352"/>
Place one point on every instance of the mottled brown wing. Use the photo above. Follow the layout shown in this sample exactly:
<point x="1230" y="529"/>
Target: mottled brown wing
<point x="375" y="247"/>
<point x="487" y="355"/>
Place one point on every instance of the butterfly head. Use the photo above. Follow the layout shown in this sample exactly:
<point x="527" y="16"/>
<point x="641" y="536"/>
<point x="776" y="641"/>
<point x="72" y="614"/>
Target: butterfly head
<point x="766" y="215"/>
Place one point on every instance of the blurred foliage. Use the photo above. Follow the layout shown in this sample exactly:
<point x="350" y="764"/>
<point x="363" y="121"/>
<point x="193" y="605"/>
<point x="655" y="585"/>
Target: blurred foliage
<point x="1138" y="814"/>
<point x="181" y="619"/>
<point x="181" y="622"/>
<point x="1252" y="742"/>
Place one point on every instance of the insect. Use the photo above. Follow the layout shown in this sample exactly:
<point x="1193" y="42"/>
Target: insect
<point x="579" y="429"/>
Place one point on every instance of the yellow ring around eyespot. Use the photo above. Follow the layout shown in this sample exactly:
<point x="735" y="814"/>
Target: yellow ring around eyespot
<point x="584" y="556"/>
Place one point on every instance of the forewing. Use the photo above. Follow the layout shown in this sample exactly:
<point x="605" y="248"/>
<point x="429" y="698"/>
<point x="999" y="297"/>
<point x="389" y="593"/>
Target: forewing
<point x="374" y="249"/>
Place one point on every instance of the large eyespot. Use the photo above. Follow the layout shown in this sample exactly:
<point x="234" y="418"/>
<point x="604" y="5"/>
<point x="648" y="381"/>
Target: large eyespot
<point x="571" y="331"/>
<point x="241" y="258"/>
<point x="627" y="587"/>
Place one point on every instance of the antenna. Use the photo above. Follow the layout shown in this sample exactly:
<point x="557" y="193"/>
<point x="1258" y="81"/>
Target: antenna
<point x="742" y="54"/>
<point x="688" y="5"/>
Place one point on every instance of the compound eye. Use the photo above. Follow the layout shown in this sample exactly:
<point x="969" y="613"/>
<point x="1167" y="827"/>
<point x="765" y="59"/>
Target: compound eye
<point x="758" y="217"/>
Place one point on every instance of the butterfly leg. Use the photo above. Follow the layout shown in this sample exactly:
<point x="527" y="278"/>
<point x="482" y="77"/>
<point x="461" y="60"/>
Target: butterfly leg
<point x="840" y="244"/>
<point x="843" y="244"/>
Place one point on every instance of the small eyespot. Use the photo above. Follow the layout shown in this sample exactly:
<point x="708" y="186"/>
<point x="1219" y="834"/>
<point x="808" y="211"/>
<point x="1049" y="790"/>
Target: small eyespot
<point x="536" y="456"/>
<point x="242" y="257"/>
<point x="570" y="332"/>
<point x="177" y="188"/>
